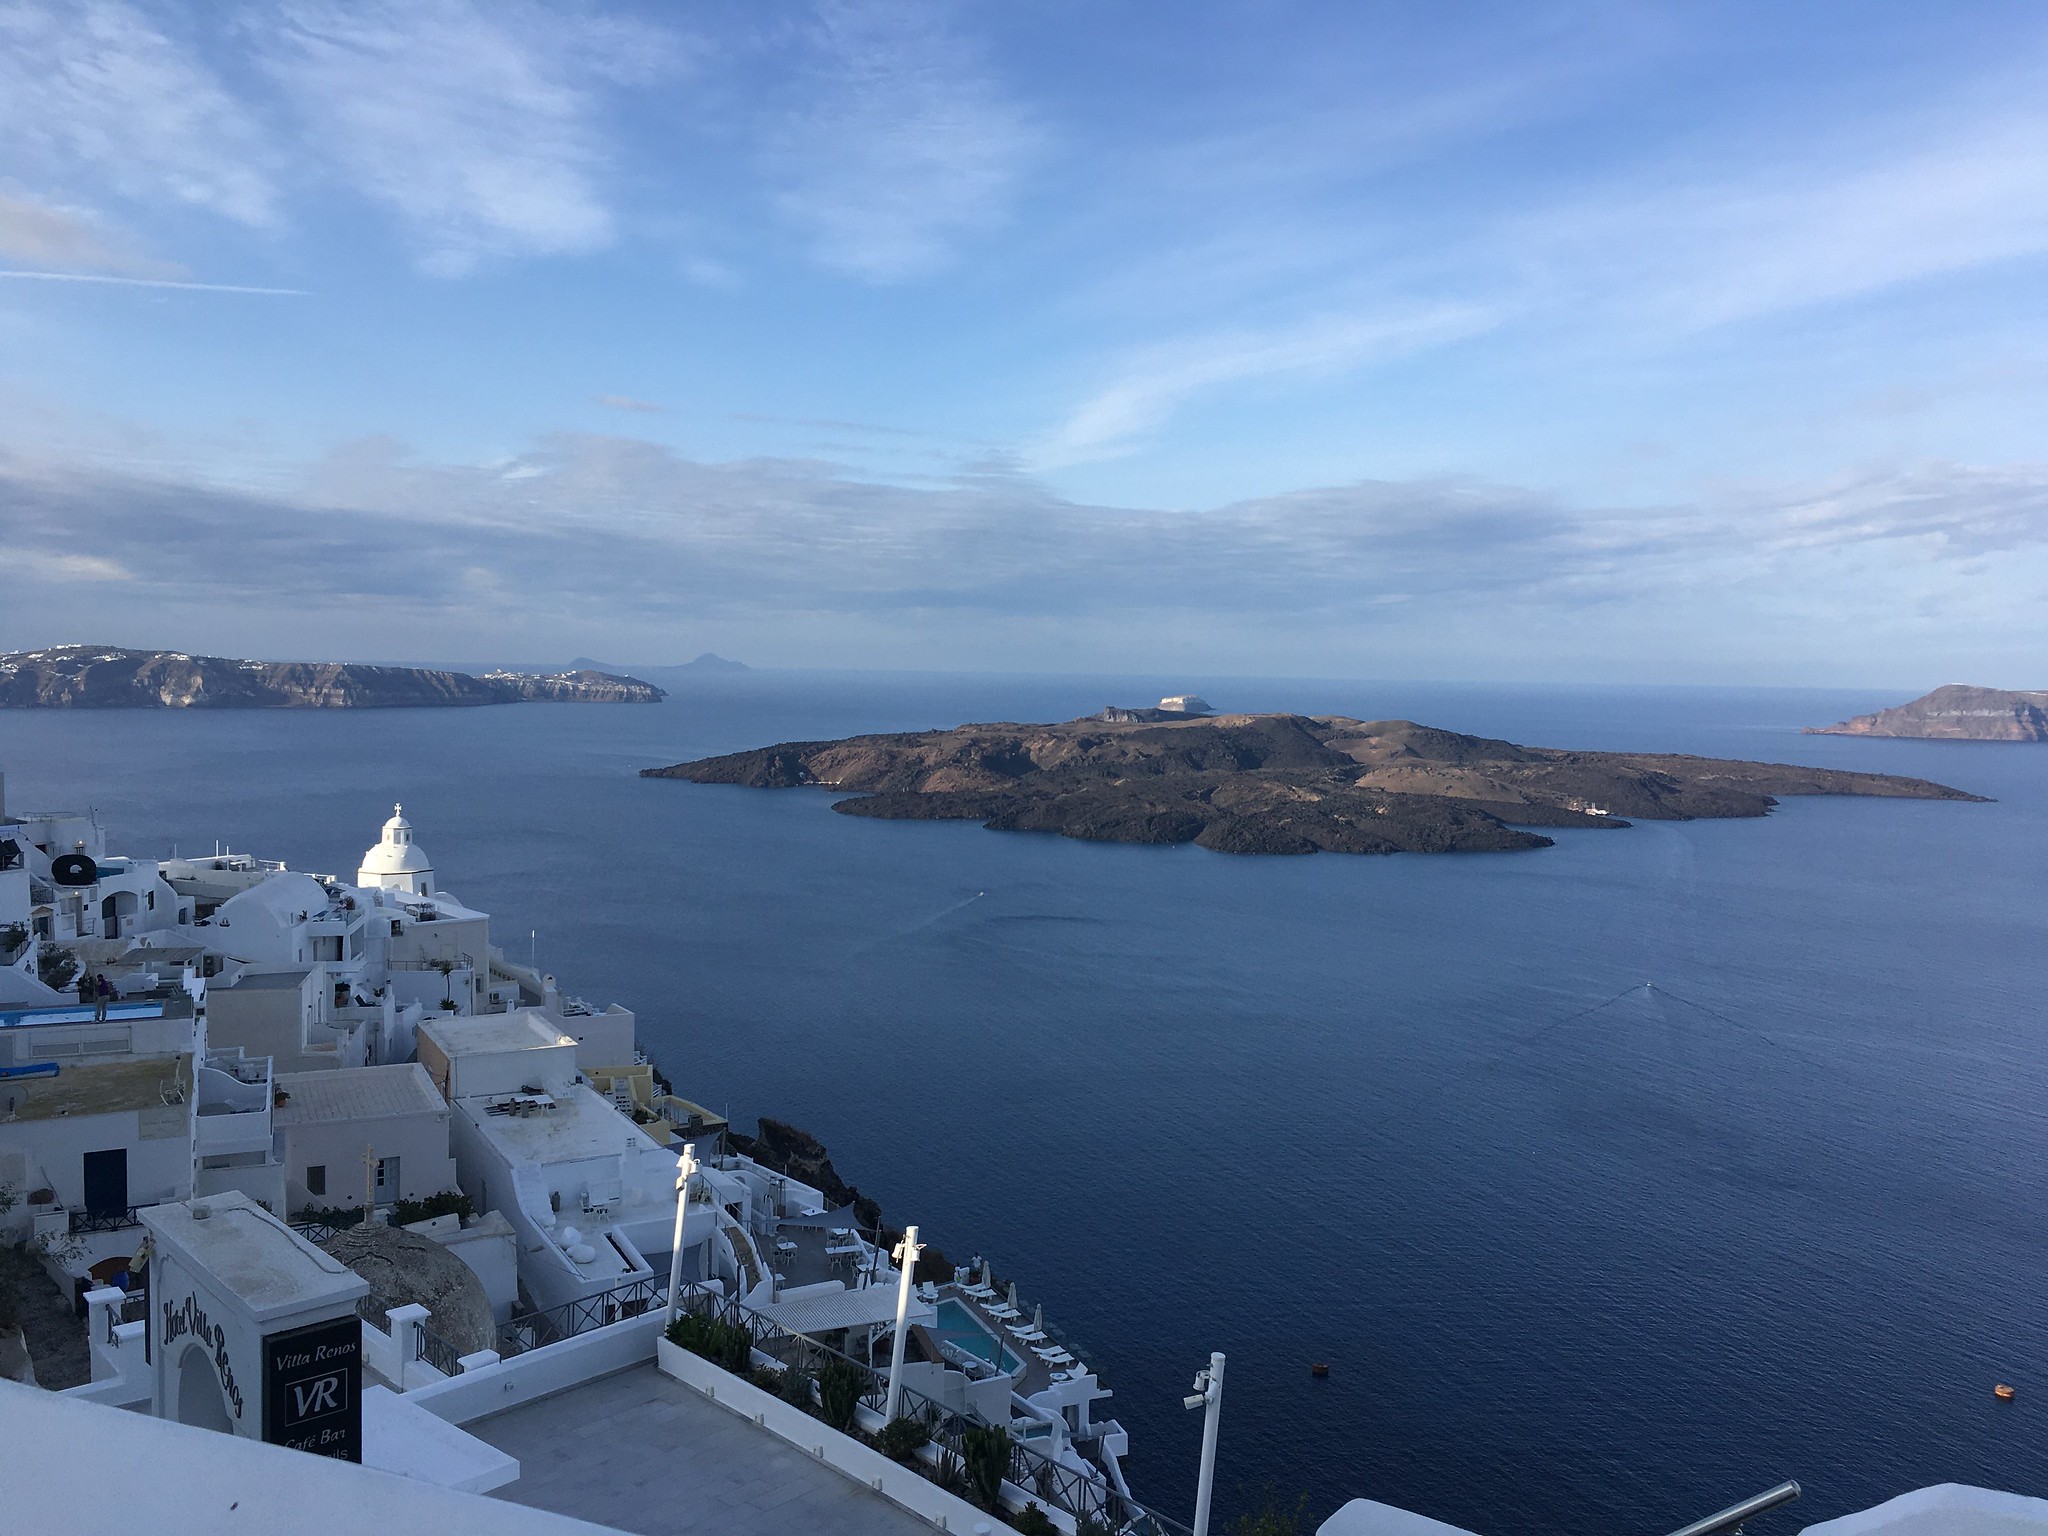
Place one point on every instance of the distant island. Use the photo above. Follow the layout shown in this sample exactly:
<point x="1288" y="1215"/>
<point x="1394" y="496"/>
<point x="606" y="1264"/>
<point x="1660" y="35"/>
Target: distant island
<point x="111" y="677"/>
<point x="710" y="661"/>
<point x="1272" y="783"/>
<point x="1957" y="712"/>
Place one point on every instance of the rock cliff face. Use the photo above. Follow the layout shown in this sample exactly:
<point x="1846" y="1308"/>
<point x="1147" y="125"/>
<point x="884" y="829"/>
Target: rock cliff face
<point x="1274" y="783"/>
<point x="108" y="677"/>
<point x="1957" y="712"/>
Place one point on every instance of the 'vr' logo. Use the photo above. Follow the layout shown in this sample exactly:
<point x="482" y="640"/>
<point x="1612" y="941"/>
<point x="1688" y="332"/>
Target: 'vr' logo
<point x="317" y="1396"/>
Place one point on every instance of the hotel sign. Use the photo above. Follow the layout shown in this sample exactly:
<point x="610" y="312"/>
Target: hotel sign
<point x="313" y="1389"/>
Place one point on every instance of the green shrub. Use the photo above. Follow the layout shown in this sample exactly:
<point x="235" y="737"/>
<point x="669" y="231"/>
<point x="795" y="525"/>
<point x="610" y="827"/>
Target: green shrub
<point x="686" y="1331"/>
<point x="840" y="1384"/>
<point x="1272" y="1518"/>
<point x="732" y="1348"/>
<point x="449" y="1202"/>
<point x="795" y="1387"/>
<point x="900" y="1438"/>
<point x="1034" y="1522"/>
<point x="56" y="968"/>
<point x="986" y="1449"/>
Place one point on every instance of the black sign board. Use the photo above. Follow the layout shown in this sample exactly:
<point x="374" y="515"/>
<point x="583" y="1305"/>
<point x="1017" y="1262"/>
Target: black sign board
<point x="313" y="1389"/>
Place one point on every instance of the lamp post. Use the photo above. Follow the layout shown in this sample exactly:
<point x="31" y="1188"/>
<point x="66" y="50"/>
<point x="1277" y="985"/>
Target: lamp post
<point x="906" y="1259"/>
<point x="1208" y="1395"/>
<point x="686" y="1169"/>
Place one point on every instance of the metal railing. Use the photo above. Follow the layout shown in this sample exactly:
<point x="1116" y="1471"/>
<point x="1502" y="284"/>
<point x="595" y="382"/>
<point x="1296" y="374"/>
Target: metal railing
<point x="318" y="1229"/>
<point x="371" y="1311"/>
<point x="104" y="1221"/>
<point x="429" y="1346"/>
<point x="132" y="1308"/>
<point x="1730" y="1520"/>
<point x="531" y="1330"/>
<point x="1083" y="1494"/>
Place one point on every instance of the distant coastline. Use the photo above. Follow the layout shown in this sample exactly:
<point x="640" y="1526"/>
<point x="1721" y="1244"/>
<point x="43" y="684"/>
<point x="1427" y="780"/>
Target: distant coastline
<point x="114" y="677"/>
<point x="1956" y="712"/>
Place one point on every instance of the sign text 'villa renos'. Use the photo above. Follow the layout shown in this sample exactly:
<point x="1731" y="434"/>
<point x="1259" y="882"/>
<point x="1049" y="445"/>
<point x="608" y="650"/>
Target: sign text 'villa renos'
<point x="312" y="1389"/>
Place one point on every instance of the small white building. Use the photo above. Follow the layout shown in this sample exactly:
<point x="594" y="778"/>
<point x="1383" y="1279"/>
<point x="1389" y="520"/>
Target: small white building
<point x="397" y="863"/>
<point x="591" y="1195"/>
<point x="372" y="1133"/>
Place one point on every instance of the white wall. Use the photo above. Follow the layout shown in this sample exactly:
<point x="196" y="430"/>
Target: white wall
<point x="159" y="1167"/>
<point x="419" y="1142"/>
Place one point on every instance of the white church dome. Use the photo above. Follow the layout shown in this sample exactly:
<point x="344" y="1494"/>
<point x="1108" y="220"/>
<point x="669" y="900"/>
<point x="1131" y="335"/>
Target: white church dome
<point x="396" y="860"/>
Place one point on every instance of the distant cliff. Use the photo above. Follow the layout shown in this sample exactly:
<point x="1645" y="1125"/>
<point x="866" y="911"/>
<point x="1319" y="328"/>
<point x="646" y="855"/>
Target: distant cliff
<point x="109" y="677"/>
<point x="1957" y="712"/>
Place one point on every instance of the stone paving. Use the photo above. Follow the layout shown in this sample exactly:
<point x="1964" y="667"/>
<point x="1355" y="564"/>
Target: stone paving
<point x="642" y="1452"/>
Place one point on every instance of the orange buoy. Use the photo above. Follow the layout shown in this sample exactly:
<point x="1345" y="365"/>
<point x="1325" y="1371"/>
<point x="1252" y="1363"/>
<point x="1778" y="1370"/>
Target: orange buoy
<point x="1319" y="1370"/>
<point x="2004" y="1393"/>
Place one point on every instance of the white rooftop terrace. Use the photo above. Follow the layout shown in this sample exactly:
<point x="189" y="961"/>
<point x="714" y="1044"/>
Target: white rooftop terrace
<point x="580" y="1125"/>
<point x="356" y="1093"/>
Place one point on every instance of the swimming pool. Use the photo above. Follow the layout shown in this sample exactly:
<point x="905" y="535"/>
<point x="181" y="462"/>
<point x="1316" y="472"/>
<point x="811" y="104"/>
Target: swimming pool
<point x="962" y="1329"/>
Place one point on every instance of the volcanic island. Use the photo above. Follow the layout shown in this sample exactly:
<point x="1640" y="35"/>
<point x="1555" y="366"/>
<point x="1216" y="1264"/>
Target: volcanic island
<point x="1273" y="783"/>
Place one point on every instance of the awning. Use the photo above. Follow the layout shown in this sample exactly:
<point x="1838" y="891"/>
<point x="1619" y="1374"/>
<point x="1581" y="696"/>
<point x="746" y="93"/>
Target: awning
<point x="829" y="1311"/>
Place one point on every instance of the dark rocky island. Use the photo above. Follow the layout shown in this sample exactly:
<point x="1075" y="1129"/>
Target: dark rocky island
<point x="109" y="677"/>
<point x="1273" y="783"/>
<point x="1957" y="712"/>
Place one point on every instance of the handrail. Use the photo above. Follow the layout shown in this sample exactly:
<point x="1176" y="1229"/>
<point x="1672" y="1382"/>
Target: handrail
<point x="1731" y="1519"/>
<point x="429" y="1346"/>
<point x="103" y="1221"/>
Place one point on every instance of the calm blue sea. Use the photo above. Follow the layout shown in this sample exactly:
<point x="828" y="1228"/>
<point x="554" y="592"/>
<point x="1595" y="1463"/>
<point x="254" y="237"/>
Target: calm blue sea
<point x="1572" y="1271"/>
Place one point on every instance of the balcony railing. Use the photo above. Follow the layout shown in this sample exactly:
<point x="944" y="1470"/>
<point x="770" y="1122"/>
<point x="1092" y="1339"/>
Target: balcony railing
<point x="429" y="1346"/>
<point x="104" y="1221"/>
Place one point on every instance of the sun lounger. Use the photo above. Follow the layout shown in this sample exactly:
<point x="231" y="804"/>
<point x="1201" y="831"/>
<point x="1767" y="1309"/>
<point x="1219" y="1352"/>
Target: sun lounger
<point x="1026" y="1333"/>
<point x="1004" y="1311"/>
<point x="978" y="1292"/>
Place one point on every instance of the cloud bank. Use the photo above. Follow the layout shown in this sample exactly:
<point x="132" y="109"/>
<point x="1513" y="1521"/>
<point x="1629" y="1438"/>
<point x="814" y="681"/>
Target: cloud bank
<point x="619" y="536"/>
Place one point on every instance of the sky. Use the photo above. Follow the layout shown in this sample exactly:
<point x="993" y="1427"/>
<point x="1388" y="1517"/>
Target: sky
<point x="1627" y="343"/>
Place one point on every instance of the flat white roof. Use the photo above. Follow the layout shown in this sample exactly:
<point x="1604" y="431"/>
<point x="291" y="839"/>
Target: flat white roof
<point x="356" y="1093"/>
<point x="583" y="1124"/>
<point x="483" y="1033"/>
<point x="257" y="1257"/>
<point x="106" y="1469"/>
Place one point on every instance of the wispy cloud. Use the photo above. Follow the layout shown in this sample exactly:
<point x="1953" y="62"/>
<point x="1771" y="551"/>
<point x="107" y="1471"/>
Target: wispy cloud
<point x="477" y="125"/>
<point x="1698" y="244"/>
<point x="63" y="239"/>
<point x="96" y="95"/>
<point x="151" y="282"/>
<point x="628" y="403"/>
<point x="1148" y="385"/>
<point x="898" y="143"/>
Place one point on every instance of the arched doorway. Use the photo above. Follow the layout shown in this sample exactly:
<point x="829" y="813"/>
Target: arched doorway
<point x="200" y="1403"/>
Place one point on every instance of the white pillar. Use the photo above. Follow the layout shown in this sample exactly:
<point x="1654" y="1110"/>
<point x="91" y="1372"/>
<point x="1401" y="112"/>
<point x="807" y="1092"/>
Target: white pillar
<point x="1210" y="1384"/>
<point x="686" y="1169"/>
<point x="906" y="1259"/>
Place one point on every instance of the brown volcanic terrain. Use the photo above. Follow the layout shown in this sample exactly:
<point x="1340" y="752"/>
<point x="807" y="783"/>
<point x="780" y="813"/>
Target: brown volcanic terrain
<point x="1957" y="712"/>
<point x="1274" y="783"/>
<point x="110" y="677"/>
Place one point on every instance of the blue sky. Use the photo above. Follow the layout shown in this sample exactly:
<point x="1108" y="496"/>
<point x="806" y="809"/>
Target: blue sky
<point x="1560" y="342"/>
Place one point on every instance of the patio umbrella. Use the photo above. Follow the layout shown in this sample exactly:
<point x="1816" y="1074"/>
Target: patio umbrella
<point x="1038" y="1315"/>
<point x="1013" y="1293"/>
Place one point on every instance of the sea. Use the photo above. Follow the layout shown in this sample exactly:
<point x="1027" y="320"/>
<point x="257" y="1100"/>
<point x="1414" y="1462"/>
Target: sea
<point x="1613" y="1182"/>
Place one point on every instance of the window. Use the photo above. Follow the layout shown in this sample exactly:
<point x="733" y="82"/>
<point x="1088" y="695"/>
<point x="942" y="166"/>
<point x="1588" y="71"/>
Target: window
<point x="316" y="1179"/>
<point x="387" y="1177"/>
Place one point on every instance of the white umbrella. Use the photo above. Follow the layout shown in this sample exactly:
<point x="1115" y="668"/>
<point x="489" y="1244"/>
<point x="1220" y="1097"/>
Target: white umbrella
<point x="1013" y="1293"/>
<point x="1038" y="1315"/>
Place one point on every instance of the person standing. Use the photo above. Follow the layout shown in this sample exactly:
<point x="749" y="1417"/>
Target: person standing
<point x="101" y="995"/>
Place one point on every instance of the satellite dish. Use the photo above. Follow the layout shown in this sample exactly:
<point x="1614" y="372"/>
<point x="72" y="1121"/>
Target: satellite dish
<point x="74" y="869"/>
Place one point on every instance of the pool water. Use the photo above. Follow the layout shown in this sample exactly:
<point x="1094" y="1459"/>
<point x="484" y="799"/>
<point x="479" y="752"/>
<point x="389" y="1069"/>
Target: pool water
<point x="960" y="1327"/>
